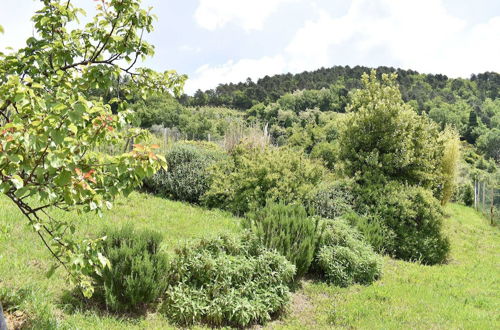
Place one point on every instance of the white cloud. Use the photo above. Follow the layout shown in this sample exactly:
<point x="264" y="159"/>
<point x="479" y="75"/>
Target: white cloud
<point x="248" y="14"/>
<point x="208" y="76"/>
<point x="189" y="49"/>
<point x="420" y="35"/>
<point x="417" y="34"/>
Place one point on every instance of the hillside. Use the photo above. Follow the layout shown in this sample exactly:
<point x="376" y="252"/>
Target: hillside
<point x="459" y="294"/>
<point x="414" y="86"/>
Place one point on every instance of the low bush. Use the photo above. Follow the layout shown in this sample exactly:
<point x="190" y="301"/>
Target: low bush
<point x="251" y="176"/>
<point x="186" y="177"/>
<point x="227" y="281"/>
<point x="343" y="258"/>
<point x="331" y="199"/>
<point x="465" y="194"/>
<point x="411" y="219"/>
<point x="137" y="275"/>
<point x="288" y="230"/>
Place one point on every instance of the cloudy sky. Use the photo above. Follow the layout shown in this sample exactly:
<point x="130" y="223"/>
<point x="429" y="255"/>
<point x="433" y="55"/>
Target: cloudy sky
<point x="216" y="41"/>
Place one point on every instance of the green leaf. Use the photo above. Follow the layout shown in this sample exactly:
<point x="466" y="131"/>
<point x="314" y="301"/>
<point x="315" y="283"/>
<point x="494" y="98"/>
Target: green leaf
<point x="63" y="178"/>
<point x="73" y="128"/>
<point x="17" y="181"/>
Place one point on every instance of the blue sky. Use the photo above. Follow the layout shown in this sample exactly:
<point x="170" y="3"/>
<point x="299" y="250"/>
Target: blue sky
<point x="216" y="41"/>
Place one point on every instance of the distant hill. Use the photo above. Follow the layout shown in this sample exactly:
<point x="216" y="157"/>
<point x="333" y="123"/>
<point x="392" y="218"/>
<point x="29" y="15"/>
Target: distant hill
<point x="414" y="86"/>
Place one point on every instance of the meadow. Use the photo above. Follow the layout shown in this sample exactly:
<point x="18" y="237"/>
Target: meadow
<point x="463" y="293"/>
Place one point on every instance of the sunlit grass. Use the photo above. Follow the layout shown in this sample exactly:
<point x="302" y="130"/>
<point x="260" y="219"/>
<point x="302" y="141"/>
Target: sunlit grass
<point x="460" y="294"/>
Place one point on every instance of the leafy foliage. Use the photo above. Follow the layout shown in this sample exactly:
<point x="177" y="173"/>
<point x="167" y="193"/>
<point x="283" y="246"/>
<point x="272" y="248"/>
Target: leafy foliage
<point x="449" y="163"/>
<point x="465" y="194"/>
<point x="186" y="177"/>
<point x="251" y="176"/>
<point x="197" y="123"/>
<point x="50" y="129"/>
<point x="137" y="275"/>
<point x="331" y="199"/>
<point x="384" y="139"/>
<point x="288" y="230"/>
<point x="409" y="219"/>
<point x="227" y="281"/>
<point x="342" y="256"/>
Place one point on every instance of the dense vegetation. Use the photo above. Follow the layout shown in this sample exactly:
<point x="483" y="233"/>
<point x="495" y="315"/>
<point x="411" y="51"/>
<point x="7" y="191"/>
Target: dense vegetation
<point x="336" y="172"/>
<point x="472" y="105"/>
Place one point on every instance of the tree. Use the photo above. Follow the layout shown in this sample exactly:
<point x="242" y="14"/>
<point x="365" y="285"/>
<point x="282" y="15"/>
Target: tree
<point x="385" y="139"/>
<point x="50" y="131"/>
<point x="489" y="143"/>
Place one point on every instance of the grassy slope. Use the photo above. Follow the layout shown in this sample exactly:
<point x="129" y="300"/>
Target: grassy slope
<point x="24" y="261"/>
<point x="462" y="294"/>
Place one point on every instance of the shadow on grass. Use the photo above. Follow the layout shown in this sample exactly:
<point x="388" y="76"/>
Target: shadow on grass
<point x="73" y="302"/>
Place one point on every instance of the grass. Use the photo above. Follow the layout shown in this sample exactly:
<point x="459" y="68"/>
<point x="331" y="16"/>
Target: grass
<point x="461" y="294"/>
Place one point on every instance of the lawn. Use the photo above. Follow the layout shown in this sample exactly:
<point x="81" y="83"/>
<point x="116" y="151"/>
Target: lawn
<point x="462" y="294"/>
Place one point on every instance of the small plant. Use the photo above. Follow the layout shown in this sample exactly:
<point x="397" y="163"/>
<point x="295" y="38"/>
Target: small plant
<point x="288" y="230"/>
<point x="137" y="275"/>
<point x="226" y="281"/>
<point x="343" y="258"/>
<point x="465" y="194"/>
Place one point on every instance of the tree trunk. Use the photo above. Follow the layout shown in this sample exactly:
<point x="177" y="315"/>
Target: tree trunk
<point x="3" y="324"/>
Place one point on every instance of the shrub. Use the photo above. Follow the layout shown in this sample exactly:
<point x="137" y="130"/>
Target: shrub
<point x="450" y="141"/>
<point x="137" y="275"/>
<point x="327" y="152"/>
<point x="465" y="194"/>
<point x="343" y="258"/>
<point x="251" y="176"/>
<point x="331" y="199"/>
<point x="413" y="220"/>
<point x="288" y="230"/>
<point x="384" y="139"/>
<point x="226" y="281"/>
<point x="186" y="177"/>
<point x="374" y="230"/>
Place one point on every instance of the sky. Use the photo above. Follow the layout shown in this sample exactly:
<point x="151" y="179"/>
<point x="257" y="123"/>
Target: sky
<point x="220" y="41"/>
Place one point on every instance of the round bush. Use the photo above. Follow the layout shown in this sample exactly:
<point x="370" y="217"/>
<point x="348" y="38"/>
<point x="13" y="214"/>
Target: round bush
<point x="342" y="256"/>
<point x="186" y="177"/>
<point x="138" y="270"/>
<point x="227" y="281"/>
<point x="414" y="217"/>
<point x="331" y="199"/>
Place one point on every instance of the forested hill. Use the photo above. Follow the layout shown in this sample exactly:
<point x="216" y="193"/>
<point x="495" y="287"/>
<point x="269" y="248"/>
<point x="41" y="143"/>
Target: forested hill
<point x="414" y="86"/>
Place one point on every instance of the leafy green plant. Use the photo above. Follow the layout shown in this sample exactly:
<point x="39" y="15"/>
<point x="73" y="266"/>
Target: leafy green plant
<point x="331" y="199"/>
<point x="288" y="230"/>
<point x="252" y="175"/>
<point x="138" y="271"/>
<point x="412" y="222"/>
<point x="186" y="177"/>
<point x="384" y="139"/>
<point x="50" y="129"/>
<point x="465" y="194"/>
<point x="374" y="230"/>
<point x="343" y="257"/>
<point x="226" y="281"/>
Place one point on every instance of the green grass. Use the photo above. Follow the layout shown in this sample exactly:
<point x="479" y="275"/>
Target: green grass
<point x="461" y="294"/>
